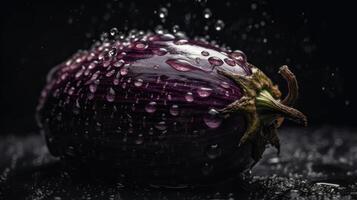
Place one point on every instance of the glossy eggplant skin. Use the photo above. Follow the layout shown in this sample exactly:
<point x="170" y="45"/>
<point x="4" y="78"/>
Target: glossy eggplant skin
<point x="147" y="107"/>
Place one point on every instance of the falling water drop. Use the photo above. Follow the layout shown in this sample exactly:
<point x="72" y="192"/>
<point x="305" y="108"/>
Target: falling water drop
<point x="219" y="25"/>
<point x="175" y="28"/>
<point x="113" y="32"/>
<point x="207" y="13"/>
<point x="104" y="37"/>
<point x="163" y="12"/>
<point x="159" y="30"/>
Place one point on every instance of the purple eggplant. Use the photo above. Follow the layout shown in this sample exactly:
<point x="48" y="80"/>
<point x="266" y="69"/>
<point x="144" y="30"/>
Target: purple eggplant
<point x="163" y="108"/>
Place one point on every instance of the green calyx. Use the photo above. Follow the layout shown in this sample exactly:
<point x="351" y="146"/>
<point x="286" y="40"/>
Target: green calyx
<point x="263" y="108"/>
<point x="265" y="102"/>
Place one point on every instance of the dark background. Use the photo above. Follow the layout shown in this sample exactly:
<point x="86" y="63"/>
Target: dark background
<point x="317" y="40"/>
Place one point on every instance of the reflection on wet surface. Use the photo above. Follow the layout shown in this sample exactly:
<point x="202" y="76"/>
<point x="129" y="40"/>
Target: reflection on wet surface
<point x="315" y="163"/>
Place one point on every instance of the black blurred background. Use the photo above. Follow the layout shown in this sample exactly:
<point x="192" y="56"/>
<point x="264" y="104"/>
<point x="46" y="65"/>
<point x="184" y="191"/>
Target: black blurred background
<point x="317" y="40"/>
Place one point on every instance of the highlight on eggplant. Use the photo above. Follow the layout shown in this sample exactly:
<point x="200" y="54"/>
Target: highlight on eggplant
<point x="163" y="108"/>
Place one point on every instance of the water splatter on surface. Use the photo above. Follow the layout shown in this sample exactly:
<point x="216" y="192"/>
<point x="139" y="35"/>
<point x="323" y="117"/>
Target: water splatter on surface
<point x="298" y="173"/>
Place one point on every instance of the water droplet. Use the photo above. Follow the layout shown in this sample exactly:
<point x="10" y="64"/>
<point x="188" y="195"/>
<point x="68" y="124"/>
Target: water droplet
<point x="159" y="30"/>
<point x="204" y="91"/>
<point x="215" y="61"/>
<point x="110" y="73"/>
<point x="92" y="65"/>
<point x="151" y="107"/>
<point x="113" y="32"/>
<point x="207" y="13"/>
<point x="90" y="96"/>
<point x="180" y="65"/>
<point x="175" y="28"/>
<point x="229" y="61"/>
<point x="140" y="46"/>
<point x="181" y="42"/>
<point x="219" y="25"/>
<point x="274" y="160"/>
<point x="167" y="37"/>
<point x="347" y="102"/>
<point x="124" y="71"/>
<point x="180" y="35"/>
<point x="212" y="119"/>
<point x="253" y="6"/>
<point x="64" y="76"/>
<point x="151" y="131"/>
<point x="174" y="110"/>
<point x="110" y="95"/>
<point x="189" y="97"/>
<point x="140" y="139"/>
<point x="79" y="74"/>
<point x="163" y="12"/>
<point x="119" y="63"/>
<point x="71" y="90"/>
<point x="138" y="82"/>
<point x="207" y="169"/>
<point x="112" y="52"/>
<point x="225" y="84"/>
<point x="92" y="88"/>
<point x="160" y="51"/>
<point x="238" y="56"/>
<point x="161" y="126"/>
<point x="213" y="151"/>
<point x="205" y="53"/>
<point x="104" y="37"/>
<point x="116" y="81"/>
<point x="106" y="63"/>
<point x="57" y="198"/>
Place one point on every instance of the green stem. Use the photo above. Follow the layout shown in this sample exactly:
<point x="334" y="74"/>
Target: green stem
<point x="293" y="87"/>
<point x="265" y="101"/>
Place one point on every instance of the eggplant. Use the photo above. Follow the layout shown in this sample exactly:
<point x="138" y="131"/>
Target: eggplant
<point x="163" y="109"/>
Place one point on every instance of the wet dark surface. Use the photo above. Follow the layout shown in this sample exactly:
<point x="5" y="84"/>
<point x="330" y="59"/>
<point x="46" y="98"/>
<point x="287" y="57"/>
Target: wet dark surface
<point x="315" y="163"/>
